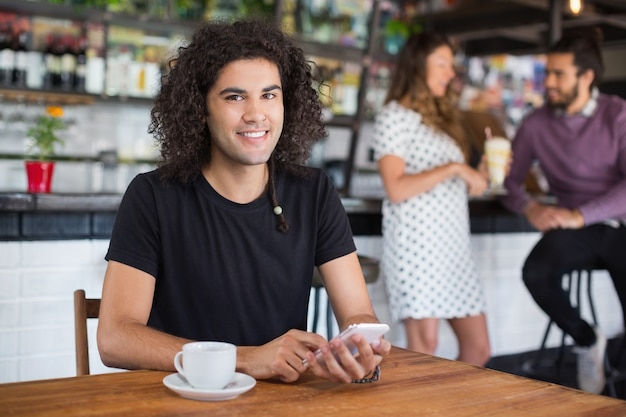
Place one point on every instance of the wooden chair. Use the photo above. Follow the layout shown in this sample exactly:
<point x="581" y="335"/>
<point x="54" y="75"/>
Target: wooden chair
<point x="84" y="308"/>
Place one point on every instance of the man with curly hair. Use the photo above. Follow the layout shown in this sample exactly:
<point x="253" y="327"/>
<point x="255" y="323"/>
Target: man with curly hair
<point x="220" y="242"/>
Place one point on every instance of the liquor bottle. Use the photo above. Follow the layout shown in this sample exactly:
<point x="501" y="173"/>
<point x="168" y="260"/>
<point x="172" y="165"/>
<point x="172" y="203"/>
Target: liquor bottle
<point x="68" y="64"/>
<point x="81" y="64"/>
<point x="21" y="59"/>
<point x="137" y="75"/>
<point x="95" y="72"/>
<point x="95" y="67"/>
<point x="51" y="63"/>
<point x="118" y="70"/>
<point x="35" y="69"/>
<point x="7" y="57"/>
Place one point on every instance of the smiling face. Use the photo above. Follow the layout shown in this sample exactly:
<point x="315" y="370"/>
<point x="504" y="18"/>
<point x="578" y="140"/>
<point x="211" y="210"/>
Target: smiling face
<point x="439" y="70"/>
<point x="565" y="88"/>
<point x="245" y="113"/>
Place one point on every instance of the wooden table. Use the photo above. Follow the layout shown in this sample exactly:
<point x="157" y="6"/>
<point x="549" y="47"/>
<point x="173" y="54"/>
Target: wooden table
<point x="411" y="384"/>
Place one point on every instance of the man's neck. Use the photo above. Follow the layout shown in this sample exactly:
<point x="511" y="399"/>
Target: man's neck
<point x="579" y="104"/>
<point x="241" y="185"/>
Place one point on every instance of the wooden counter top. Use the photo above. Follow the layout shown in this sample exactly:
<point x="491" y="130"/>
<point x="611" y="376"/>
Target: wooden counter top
<point x="411" y="384"/>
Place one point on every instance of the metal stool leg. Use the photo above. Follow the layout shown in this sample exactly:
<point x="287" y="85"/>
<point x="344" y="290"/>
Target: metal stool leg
<point x="532" y="366"/>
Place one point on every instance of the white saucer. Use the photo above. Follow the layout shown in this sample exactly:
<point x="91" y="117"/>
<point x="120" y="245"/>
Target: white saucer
<point x="240" y="384"/>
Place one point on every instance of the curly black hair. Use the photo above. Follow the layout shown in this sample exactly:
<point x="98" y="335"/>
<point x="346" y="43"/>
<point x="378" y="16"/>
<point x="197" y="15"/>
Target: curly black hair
<point x="178" y="118"/>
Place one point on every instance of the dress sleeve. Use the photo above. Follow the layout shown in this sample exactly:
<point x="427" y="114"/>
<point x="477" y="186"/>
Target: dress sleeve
<point x="390" y="128"/>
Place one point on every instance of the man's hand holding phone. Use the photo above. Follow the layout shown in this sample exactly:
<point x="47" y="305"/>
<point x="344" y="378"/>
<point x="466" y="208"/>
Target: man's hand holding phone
<point x="354" y="353"/>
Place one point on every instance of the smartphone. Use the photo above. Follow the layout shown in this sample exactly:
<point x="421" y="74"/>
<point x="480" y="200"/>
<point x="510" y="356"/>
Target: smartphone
<point x="370" y="332"/>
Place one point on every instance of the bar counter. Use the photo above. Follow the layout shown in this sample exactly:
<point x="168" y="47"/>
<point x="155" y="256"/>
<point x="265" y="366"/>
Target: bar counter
<point x="62" y="216"/>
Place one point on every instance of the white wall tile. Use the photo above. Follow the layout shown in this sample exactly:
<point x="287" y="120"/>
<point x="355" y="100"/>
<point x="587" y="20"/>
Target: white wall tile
<point x="8" y="314"/>
<point x="9" y="284"/>
<point x="8" y="343"/>
<point x="64" y="252"/>
<point x="46" y="340"/>
<point x="99" y="248"/>
<point x="48" y="366"/>
<point x="50" y="282"/>
<point x="45" y="312"/>
<point x="8" y="370"/>
<point x="9" y="254"/>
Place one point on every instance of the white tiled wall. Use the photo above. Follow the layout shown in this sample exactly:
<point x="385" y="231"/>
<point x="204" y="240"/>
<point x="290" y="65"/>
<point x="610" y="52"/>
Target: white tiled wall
<point x="37" y="281"/>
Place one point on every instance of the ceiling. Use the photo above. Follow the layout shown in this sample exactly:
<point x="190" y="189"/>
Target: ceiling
<point x="486" y="27"/>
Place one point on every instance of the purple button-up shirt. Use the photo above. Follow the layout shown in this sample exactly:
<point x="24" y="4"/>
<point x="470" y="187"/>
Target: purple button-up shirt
<point x="583" y="157"/>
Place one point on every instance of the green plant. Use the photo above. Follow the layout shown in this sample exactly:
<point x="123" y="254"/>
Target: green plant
<point x="44" y="132"/>
<point x="400" y="28"/>
<point x="88" y="3"/>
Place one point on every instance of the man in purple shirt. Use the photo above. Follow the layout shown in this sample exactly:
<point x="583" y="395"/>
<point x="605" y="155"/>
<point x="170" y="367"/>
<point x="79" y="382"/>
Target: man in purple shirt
<point x="579" y="140"/>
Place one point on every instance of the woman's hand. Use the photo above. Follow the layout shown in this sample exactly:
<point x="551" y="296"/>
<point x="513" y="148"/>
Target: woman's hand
<point x="477" y="182"/>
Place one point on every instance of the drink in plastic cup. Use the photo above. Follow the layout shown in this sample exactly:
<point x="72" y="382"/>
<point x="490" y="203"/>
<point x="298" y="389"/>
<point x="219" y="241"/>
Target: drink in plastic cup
<point x="498" y="151"/>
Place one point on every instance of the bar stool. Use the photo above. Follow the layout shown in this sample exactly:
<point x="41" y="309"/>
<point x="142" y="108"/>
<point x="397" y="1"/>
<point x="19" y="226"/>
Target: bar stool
<point x="370" y="267"/>
<point x="574" y="282"/>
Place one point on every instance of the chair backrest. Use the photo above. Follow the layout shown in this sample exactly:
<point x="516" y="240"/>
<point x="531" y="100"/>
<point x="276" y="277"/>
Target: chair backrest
<point x="84" y="308"/>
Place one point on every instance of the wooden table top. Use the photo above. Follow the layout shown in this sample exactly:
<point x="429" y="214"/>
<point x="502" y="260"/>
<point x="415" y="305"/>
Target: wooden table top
<point x="411" y="384"/>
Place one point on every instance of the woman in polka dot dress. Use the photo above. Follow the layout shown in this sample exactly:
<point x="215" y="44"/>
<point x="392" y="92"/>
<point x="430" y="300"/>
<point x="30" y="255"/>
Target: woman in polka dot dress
<point x="421" y="151"/>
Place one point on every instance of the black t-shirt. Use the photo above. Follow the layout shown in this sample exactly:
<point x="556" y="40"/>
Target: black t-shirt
<point x="223" y="271"/>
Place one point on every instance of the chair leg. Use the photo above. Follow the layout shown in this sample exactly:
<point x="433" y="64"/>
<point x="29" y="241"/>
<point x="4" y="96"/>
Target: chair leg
<point x="534" y="363"/>
<point x="316" y="307"/>
<point x="329" y="321"/>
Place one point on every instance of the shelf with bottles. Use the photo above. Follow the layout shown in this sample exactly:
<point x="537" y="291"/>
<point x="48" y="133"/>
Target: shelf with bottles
<point x="136" y="59"/>
<point x="60" y="56"/>
<point x="46" y="54"/>
<point x="338" y="85"/>
<point x="147" y="14"/>
<point x="43" y="96"/>
<point x="329" y="22"/>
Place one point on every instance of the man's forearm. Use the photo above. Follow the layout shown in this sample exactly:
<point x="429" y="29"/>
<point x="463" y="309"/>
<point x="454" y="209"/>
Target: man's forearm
<point x="137" y="346"/>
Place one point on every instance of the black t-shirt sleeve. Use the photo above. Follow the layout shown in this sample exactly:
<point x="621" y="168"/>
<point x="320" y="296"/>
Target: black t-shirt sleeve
<point x="334" y="234"/>
<point x="135" y="237"/>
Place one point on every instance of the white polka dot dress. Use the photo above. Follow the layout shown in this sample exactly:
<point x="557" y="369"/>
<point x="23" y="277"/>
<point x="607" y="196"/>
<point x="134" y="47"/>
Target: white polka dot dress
<point x="427" y="261"/>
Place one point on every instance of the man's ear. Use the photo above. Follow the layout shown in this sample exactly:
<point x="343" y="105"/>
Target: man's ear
<point x="587" y="78"/>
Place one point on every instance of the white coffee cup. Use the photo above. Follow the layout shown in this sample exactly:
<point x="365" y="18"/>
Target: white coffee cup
<point x="207" y="365"/>
<point x="497" y="151"/>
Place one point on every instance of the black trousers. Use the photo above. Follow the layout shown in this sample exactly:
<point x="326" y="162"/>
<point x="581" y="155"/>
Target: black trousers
<point x="561" y="251"/>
